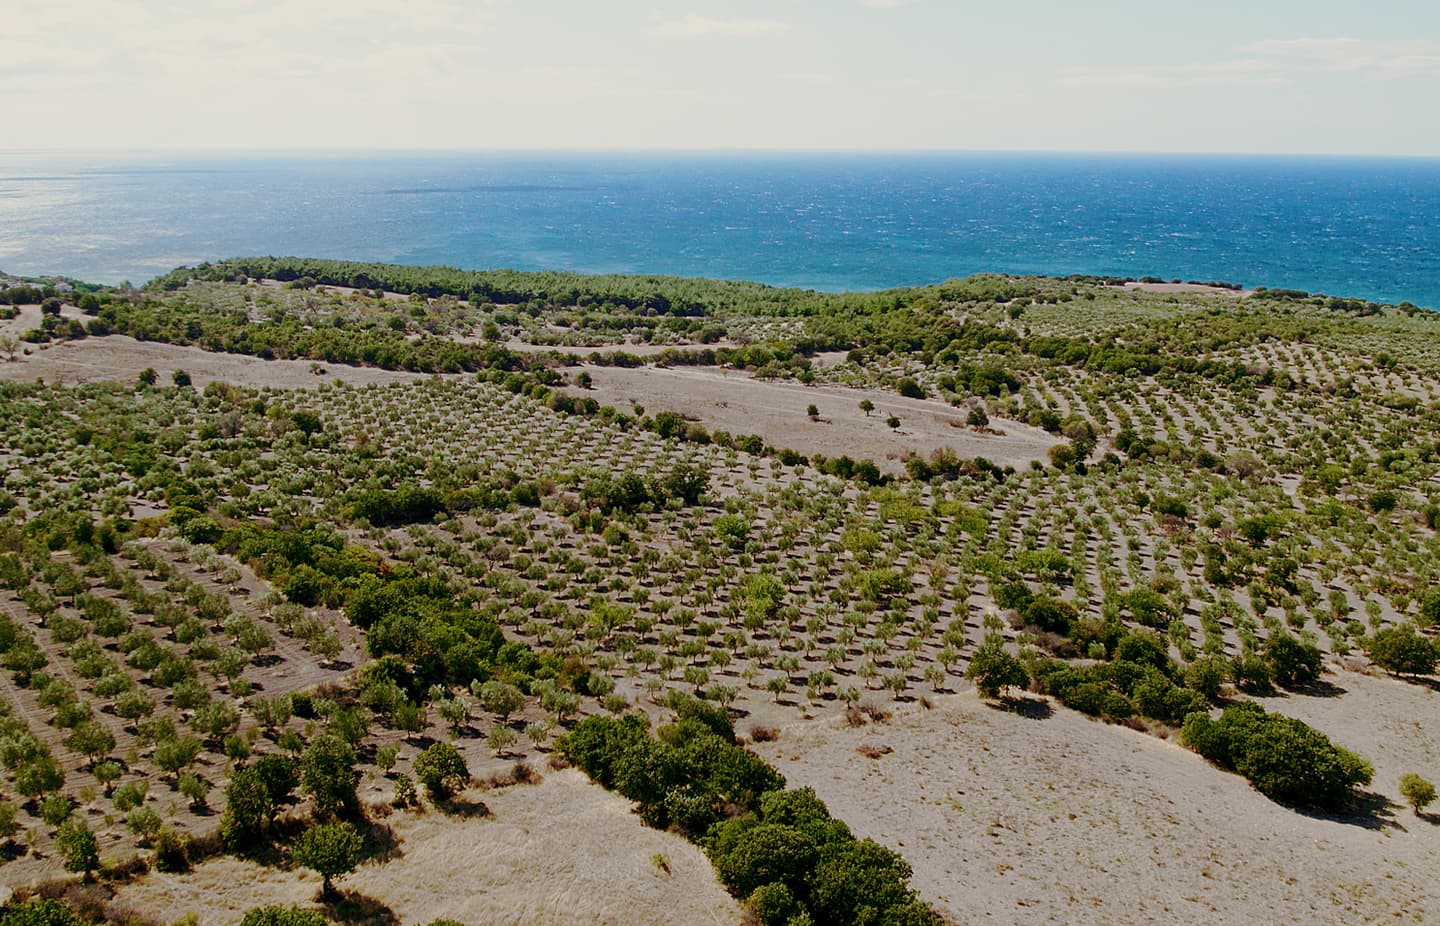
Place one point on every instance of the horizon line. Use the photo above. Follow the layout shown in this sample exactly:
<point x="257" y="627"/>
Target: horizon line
<point x="336" y="150"/>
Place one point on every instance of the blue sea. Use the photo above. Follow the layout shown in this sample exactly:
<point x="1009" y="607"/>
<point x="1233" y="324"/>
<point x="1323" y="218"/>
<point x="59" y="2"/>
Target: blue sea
<point x="1355" y="227"/>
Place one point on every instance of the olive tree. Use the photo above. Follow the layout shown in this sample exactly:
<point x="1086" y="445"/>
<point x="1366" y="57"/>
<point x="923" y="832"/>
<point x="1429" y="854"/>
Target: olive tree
<point x="329" y="850"/>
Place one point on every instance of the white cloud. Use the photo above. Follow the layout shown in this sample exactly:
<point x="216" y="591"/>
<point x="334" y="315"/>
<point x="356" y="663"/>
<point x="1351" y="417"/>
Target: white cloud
<point x="696" y="25"/>
<point x="1276" y="62"/>
<point x="1367" y="57"/>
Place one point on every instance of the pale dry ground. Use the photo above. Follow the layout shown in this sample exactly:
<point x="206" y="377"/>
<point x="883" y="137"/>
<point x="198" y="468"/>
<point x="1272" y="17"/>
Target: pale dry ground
<point x="117" y="357"/>
<point x="29" y="318"/>
<point x="737" y="402"/>
<point x="563" y="851"/>
<point x="1180" y="288"/>
<point x="638" y="349"/>
<point x="1008" y="819"/>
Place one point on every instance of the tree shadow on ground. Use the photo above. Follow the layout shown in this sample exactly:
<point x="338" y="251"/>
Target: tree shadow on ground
<point x="381" y="843"/>
<point x="356" y="909"/>
<point x="1029" y="708"/>
<point x="462" y="807"/>
<point x="1370" y="811"/>
<point x="1319" y="689"/>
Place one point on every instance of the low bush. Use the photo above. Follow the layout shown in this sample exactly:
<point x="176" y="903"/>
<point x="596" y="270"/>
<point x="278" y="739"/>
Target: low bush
<point x="1284" y="758"/>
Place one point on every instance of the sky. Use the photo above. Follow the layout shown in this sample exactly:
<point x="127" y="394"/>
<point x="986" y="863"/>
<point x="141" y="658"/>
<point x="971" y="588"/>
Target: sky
<point x="1258" y="76"/>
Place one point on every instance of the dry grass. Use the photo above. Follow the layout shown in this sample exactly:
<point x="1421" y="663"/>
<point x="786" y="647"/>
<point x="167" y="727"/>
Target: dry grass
<point x="738" y="403"/>
<point x="120" y="358"/>
<point x="1011" y="819"/>
<point x="562" y="851"/>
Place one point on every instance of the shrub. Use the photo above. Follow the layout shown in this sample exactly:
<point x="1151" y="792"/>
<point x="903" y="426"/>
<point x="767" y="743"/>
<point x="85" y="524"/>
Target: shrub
<point x="1252" y="674"/>
<point x="172" y="850"/>
<point x="1207" y="675"/>
<point x="442" y="770"/>
<point x="1284" y="758"/>
<point x="1293" y="663"/>
<point x="276" y="915"/>
<point x="1402" y="651"/>
<point x="1418" y="792"/>
<point x="40" y="912"/>
<point x="993" y="669"/>
<point x="1050" y="614"/>
<point x="909" y="388"/>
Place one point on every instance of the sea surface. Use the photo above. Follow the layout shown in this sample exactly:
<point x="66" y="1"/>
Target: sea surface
<point x="1344" y="226"/>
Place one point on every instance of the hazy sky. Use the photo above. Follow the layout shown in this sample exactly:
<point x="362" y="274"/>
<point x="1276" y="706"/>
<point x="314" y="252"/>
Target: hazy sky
<point x="1319" y="76"/>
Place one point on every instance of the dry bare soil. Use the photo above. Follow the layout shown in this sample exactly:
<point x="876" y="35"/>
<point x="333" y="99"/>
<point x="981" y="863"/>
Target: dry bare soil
<point x="1013" y="816"/>
<point x="562" y="851"/>
<point x="117" y="357"/>
<point x="734" y="401"/>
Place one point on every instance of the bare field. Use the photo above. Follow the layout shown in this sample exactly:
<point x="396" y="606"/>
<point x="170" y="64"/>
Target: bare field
<point x="737" y="402"/>
<point x="1011" y="819"/>
<point x="117" y="357"/>
<point x="1186" y="289"/>
<point x="563" y="851"/>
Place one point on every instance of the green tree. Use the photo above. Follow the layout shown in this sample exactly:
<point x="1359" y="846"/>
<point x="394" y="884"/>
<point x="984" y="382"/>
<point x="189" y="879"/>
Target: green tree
<point x="993" y="668"/>
<point x="500" y="698"/>
<point x="328" y="775"/>
<point x="1402" y="651"/>
<point x="78" y="846"/>
<point x="1417" y="791"/>
<point x="176" y="754"/>
<point x="276" y="915"/>
<point x="194" y="788"/>
<point x="248" y="810"/>
<point x="441" y="769"/>
<point x="1207" y="675"/>
<point x="329" y="850"/>
<point x="41" y="912"/>
<point x="9" y="824"/>
<point x="867" y="407"/>
<point x="39" y="776"/>
<point x="91" y="739"/>
<point x="280" y="774"/>
<point x="748" y="854"/>
<point x="1293" y="663"/>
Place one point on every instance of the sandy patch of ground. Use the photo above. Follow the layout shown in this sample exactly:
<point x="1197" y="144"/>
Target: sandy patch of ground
<point x="732" y="401"/>
<point x="1008" y="819"/>
<point x="29" y="317"/>
<point x="1181" y="288"/>
<point x="639" y="349"/>
<point x="122" y="358"/>
<point x="562" y="851"/>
